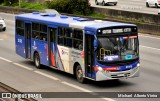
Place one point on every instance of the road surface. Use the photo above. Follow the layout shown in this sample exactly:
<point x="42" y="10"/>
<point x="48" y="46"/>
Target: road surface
<point x="130" y="5"/>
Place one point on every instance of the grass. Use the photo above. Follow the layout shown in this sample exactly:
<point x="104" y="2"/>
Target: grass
<point x="34" y="6"/>
<point x="97" y="15"/>
<point x="2" y="4"/>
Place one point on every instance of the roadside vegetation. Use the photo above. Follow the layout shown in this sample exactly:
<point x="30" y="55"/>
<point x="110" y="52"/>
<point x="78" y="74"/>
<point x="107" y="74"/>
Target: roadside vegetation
<point x="78" y="7"/>
<point x="27" y="5"/>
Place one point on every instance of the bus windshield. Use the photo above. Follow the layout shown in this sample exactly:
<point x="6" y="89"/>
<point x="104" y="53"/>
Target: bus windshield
<point x="117" y="48"/>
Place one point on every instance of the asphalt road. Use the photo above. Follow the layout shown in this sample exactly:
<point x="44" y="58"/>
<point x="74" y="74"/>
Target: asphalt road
<point x="22" y="75"/>
<point x="130" y="5"/>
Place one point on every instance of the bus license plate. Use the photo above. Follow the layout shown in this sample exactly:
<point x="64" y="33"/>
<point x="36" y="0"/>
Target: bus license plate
<point x="120" y="75"/>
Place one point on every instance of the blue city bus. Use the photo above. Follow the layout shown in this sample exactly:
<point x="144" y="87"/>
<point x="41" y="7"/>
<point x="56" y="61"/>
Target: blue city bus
<point x="93" y="49"/>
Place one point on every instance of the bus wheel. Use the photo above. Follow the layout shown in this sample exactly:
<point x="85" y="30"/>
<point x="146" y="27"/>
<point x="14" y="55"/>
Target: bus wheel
<point x="37" y="60"/>
<point x="79" y="74"/>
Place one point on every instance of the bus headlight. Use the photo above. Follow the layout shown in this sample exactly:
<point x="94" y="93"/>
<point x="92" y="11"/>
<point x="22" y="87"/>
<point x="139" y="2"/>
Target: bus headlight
<point x="138" y="65"/>
<point x="100" y="68"/>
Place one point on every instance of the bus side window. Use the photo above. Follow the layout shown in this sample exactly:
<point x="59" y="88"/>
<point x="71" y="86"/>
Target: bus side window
<point x="35" y="35"/>
<point x="35" y="26"/>
<point x="43" y="36"/>
<point x="78" y="39"/>
<point x="68" y="37"/>
<point x="78" y="44"/>
<point x="20" y="27"/>
<point x="60" y="36"/>
<point x="20" y="31"/>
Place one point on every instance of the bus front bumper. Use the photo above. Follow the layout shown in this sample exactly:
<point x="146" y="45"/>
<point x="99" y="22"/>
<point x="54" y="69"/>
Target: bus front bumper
<point x="105" y="75"/>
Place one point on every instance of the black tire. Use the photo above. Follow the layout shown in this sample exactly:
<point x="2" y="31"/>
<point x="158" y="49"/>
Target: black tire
<point x="147" y="5"/>
<point x="79" y="74"/>
<point x="37" y="61"/>
<point x="156" y="5"/>
<point x="115" y="4"/>
<point x="4" y="29"/>
<point x="96" y="2"/>
<point x="103" y="3"/>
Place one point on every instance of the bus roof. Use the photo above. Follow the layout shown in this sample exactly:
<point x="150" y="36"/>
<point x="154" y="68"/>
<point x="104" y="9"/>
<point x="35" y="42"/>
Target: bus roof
<point x="69" y="21"/>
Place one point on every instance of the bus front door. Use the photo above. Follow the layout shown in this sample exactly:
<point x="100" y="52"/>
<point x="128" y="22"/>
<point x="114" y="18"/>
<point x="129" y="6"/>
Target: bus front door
<point x="89" y="56"/>
<point x="28" y="40"/>
<point x="52" y="46"/>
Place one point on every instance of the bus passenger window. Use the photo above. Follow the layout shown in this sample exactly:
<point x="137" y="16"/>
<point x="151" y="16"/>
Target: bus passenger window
<point x="20" y="32"/>
<point x="36" y="26"/>
<point x="78" y="34"/>
<point x="19" y="23"/>
<point x="60" y="36"/>
<point x="68" y="32"/>
<point x="60" y="31"/>
<point x="78" y="39"/>
<point x="43" y="36"/>
<point x="43" y="28"/>
<point x="35" y="35"/>
<point x="78" y="44"/>
<point x="68" y="42"/>
<point x="68" y="37"/>
<point x="60" y="40"/>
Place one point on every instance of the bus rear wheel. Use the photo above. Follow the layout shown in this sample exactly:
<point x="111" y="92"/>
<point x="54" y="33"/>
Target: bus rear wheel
<point x="37" y="60"/>
<point x="79" y="74"/>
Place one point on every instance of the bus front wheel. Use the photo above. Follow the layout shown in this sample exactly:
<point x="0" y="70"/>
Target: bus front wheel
<point x="37" y="60"/>
<point x="79" y="74"/>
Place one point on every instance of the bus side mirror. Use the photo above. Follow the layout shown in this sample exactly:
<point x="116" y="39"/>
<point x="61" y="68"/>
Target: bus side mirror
<point x="95" y="44"/>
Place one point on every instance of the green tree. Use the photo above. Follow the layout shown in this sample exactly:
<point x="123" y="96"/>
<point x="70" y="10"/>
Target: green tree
<point x="1" y="1"/>
<point x="70" y="6"/>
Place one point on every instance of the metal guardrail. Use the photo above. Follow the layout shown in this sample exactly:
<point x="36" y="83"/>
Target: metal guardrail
<point x="7" y="89"/>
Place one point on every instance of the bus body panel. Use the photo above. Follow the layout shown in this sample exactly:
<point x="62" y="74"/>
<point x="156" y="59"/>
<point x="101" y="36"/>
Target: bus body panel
<point x="28" y="34"/>
<point x="67" y="57"/>
<point x="29" y="48"/>
<point x="64" y="58"/>
<point x="100" y="76"/>
<point x="20" y="46"/>
<point x="41" y="48"/>
<point x="53" y="54"/>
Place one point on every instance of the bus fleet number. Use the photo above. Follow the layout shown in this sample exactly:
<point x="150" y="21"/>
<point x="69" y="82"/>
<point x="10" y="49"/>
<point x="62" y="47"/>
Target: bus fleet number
<point x="20" y="40"/>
